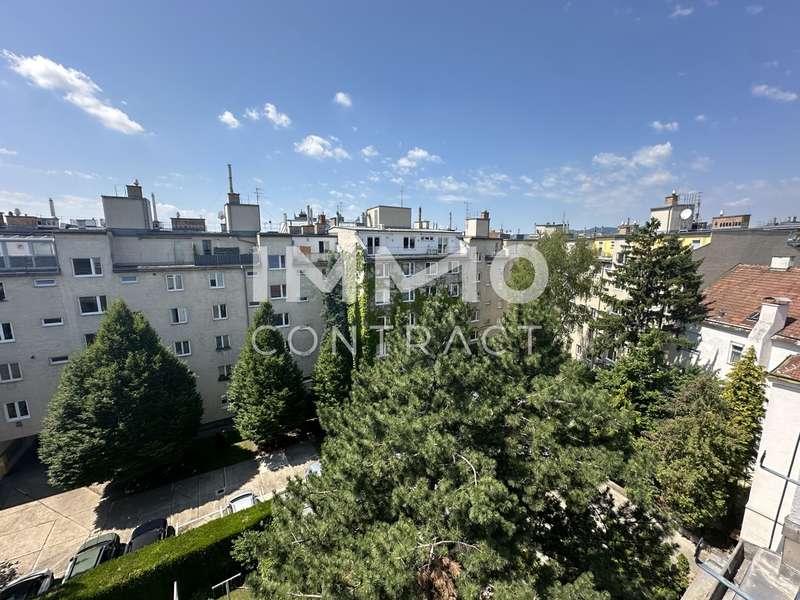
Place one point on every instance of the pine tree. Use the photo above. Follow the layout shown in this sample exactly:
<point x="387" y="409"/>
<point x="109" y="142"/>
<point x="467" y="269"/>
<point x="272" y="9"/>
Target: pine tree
<point x="266" y="392"/>
<point x="446" y="477"/>
<point x="124" y="408"/>
<point x="662" y="288"/>
<point x="743" y="392"/>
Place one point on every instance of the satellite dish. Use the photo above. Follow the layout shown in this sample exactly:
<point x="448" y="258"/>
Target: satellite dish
<point x="686" y="214"/>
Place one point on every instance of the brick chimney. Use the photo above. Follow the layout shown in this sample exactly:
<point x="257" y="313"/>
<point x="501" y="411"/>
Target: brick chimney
<point x="771" y="319"/>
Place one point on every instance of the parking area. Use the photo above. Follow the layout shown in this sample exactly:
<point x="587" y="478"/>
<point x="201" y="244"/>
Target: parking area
<point x="42" y="530"/>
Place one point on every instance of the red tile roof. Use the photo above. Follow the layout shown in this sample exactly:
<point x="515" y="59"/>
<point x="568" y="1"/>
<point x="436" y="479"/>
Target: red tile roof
<point x="789" y="368"/>
<point x="739" y="293"/>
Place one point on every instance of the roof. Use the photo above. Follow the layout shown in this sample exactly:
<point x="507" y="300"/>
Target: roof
<point x="744" y="246"/>
<point x="788" y="369"/>
<point x="737" y="297"/>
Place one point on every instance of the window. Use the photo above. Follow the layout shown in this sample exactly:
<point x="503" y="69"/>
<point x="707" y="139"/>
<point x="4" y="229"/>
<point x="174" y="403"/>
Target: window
<point x="206" y="247"/>
<point x="276" y="261"/>
<point x="412" y="318"/>
<point x="382" y="270"/>
<point x="408" y="269"/>
<point x="17" y="411"/>
<point x="128" y="279"/>
<point x="251" y="274"/>
<point x="92" y="305"/>
<point x="479" y="277"/>
<point x="52" y="321"/>
<point x="432" y="268"/>
<point x="59" y="360"/>
<point x="280" y="319"/>
<point x="736" y="353"/>
<point x="222" y="342"/>
<point x="223" y="400"/>
<point x="408" y="296"/>
<point x="253" y="303"/>
<point x="383" y="321"/>
<point x="178" y="315"/>
<point x="453" y="290"/>
<point x="277" y="292"/>
<point x="2" y="292"/>
<point x="216" y="280"/>
<point x="408" y="242"/>
<point x="6" y="333"/>
<point x="475" y="316"/>
<point x="10" y="372"/>
<point x="86" y="267"/>
<point x="219" y="312"/>
<point x="225" y="372"/>
<point x="373" y="243"/>
<point x="454" y="266"/>
<point x="44" y="282"/>
<point x="174" y="282"/>
<point x="183" y="348"/>
<point x="89" y="338"/>
<point x="381" y="297"/>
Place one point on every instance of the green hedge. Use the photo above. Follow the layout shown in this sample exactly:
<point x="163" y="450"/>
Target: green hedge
<point x="196" y="559"/>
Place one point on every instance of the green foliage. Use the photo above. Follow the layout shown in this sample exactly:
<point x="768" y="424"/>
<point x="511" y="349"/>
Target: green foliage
<point x="662" y="290"/>
<point x="124" y="408"/>
<point x="266" y="392"/>
<point x="641" y="378"/>
<point x="571" y="272"/>
<point x="445" y="477"/>
<point x="743" y="393"/>
<point x="692" y="450"/>
<point x="197" y="559"/>
<point x="332" y="376"/>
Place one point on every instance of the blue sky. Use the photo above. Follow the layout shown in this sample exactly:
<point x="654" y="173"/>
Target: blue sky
<point x="531" y="110"/>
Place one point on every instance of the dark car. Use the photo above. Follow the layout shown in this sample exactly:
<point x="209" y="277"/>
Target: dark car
<point x="148" y="533"/>
<point x="30" y="586"/>
<point x="92" y="553"/>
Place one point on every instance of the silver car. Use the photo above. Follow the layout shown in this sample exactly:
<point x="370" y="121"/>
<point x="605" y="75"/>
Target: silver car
<point x="240" y="502"/>
<point x="30" y="586"/>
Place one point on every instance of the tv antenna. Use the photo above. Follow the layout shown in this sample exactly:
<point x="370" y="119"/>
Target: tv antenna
<point x="402" y="189"/>
<point x="258" y="191"/>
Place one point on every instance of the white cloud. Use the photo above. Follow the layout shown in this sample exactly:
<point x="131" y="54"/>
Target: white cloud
<point x="447" y="184"/>
<point x="753" y="9"/>
<point x="671" y="126"/>
<point x="343" y="99"/>
<point x="681" y="11"/>
<point x="651" y="156"/>
<point x="67" y="205"/>
<point x="701" y="118"/>
<point x="7" y="152"/>
<point x="657" y="178"/>
<point x="318" y="147"/>
<point x="78" y="89"/>
<point x="773" y="93"/>
<point x="701" y="163"/>
<point x="279" y="120"/>
<point x="451" y="198"/>
<point x="414" y="158"/>
<point x="252" y="114"/>
<point x="608" y="159"/>
<point x="228" y="119"/>
<point x="369" y="152"/>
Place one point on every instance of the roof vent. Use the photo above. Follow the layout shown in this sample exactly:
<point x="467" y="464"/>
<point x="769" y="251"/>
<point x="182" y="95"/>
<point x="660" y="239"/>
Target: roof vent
<point x="780" y="263"/>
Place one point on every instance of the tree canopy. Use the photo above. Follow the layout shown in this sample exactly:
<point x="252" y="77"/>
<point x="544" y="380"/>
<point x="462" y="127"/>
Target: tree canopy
<point x="125" y="407"/>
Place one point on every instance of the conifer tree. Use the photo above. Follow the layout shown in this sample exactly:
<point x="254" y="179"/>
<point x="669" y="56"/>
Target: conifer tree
<point x="125" y="407"/>
<point x="266" y="392"/>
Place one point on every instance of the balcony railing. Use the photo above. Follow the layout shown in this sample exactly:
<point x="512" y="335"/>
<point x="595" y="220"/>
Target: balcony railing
<point x="29" y="264"/>
<point x="218" y="260"/>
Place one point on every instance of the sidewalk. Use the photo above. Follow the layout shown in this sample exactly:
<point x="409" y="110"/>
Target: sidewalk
<point x="41" y="530"/>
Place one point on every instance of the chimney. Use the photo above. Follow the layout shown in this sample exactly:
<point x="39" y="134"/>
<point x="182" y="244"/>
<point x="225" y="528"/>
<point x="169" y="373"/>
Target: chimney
<point x="233" y="197"/>
<point x="308" y="213"/>
<point x="781" y="263"/>
<point x="52" y="208"/>
<point x="771" y="319"/>
<point x="155" y="214"/>
<point x="672" y="199"/>
<point x="134" y="190"/>
<point x="485" y="215"/>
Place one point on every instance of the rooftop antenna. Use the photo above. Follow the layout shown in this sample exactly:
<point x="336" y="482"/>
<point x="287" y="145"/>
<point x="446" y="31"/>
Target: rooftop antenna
<point x="450" y="226"/>
<point x="258" y="191"/>
<point x="401" y="194"/>
<point x="466" y="209"/>
<point x="230" y="179"/>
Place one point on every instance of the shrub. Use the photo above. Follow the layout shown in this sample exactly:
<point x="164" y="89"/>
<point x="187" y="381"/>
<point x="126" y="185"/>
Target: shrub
<point x="196" y="559"/>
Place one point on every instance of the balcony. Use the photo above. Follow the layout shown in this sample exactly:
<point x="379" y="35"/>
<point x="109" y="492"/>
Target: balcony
<point x="220" y="260"/>
<point x="29" y="264"/>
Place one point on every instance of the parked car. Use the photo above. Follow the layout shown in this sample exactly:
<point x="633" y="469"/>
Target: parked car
<point x="92" y="553"/>
<point x="30" y="586"/>
<point x="148" y="533"/>
<point x="241" y="502"/>
<point x="315" y="468"/>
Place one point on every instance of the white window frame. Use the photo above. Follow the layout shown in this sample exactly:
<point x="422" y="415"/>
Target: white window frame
<point x="219" y="312"/>
<point x="4" y="339"/>
<point x="128" y="279"/>
<point x="188" y="345"/>
<point x="475" y="317"/>
<point x="55" y="360"/>
<point x="740" y="352"/>
<point x="411" y="296"/>
<point x="101" y="310"/>
<point x="95" y="264"/>
<point x="253" y="304"/>
<point x="181" y="312"/>
<point x="16" y="404"/>
<point x="432" y="268"/>
<point x="281" y="262"/>
<point x="174" y="282"/>
<point x="40" y="283"/>
<point x="284" y="319"/>
<point x="224" y="372"/>
<point x="408" y="269"/>
<point x="222" y="342"/>
<point x="58" y="323"/>
<point x="381" y="297"/>
<point x="11" y="378"/>
<point x="451" y="287"/>
<point x="216" y="280"/>
<point x="382" y="270"/>
<point x="283" y="292"/>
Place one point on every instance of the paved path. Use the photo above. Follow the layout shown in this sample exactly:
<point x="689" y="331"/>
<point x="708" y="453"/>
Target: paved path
<point x="42" y="530"/>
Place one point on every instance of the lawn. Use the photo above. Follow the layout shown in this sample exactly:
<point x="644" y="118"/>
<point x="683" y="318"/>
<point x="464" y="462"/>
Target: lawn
<point x="215" y="451"/>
